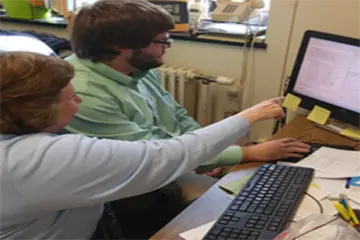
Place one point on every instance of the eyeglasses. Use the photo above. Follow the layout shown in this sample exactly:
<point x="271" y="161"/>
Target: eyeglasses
<point x="167" y="41"/>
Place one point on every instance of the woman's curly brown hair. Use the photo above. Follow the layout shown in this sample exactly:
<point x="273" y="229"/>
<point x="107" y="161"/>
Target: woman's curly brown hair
<point x="30" y="84"/>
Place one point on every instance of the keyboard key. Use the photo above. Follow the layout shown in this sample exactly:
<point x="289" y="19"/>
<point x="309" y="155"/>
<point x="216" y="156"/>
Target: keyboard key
<point x="244" y="206"/>
<point x="224" y="234"/>
<point x="249" y="225"/>
<point x="269" y="210"/>
<point x="226" y="217"/>
<point x="211" y="236"/>
<point x="259" y="210"/>
<point x="233" y="235"/>
<point x="234" y="207"/>
<point x="224" y="222"/>
<point x="271" y="228"/>
<point x="216" y="230"/>
<point x="261" y="222"/>
<point x="252" y="208"/>
<point x="242" y="236"/>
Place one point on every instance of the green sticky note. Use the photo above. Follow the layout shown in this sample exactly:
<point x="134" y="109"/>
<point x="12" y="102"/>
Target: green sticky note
<point x="235" y="186"/>
<point x="351" y="132"/>
<point x="319" y="115"/>
<point x="291" y="102"/>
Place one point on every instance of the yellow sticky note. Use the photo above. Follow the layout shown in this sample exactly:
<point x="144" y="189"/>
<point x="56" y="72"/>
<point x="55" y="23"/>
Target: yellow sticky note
<point x="235" y="186"/>
<point x="315" y="185"/>
<point x="351" y="132"/>
<point x="291" y="102"/>
<point x="319" y="115"/>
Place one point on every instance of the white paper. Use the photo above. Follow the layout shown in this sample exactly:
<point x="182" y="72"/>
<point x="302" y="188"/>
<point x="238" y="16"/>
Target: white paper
<point x="333" y="163"/>
<point x="309" y="206"/>
<point x="197" y="233"/>
<point x="285" y="163"/>
<point x="320" y="188"/>
<point x="317" y="193"/>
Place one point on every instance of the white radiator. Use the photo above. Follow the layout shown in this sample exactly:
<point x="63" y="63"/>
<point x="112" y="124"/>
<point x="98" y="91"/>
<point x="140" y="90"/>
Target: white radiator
<point x="191" y="90"/>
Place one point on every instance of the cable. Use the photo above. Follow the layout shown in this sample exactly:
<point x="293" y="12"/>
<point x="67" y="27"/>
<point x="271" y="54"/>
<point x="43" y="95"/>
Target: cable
<point x="281" y="89"/>
<point x="320" y="226"/>
<point x="252" y="65"/>
<point x="309" y="128"/>
<point x="317" y="201"/>
<point x="303" y="136"/>
<point x="319" y="141"/>
<point x="288" y="45"/>
<point x="356" y="145"/>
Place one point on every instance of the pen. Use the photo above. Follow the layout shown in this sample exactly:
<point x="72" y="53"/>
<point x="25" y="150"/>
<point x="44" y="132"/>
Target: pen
<point x="352" y="214"/>
<point x="340" y="208"/>
<point x="347" y="185"/>
<point x="342" y="200"/>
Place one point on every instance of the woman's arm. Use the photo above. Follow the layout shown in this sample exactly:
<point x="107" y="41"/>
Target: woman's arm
<point x="76" y="171"/>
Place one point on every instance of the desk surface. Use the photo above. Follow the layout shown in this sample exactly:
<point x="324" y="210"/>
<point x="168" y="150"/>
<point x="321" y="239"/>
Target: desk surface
<point x="211" y="204"/>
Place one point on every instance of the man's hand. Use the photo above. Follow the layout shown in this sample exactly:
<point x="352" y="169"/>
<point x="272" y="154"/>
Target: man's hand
<point x="275" y="149"/>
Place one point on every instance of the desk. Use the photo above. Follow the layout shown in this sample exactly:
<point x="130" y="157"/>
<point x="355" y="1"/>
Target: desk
<point x="213" y="202"/>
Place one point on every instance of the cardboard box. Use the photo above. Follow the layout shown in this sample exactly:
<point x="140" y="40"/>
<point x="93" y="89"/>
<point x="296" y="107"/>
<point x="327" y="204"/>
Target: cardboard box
<point x="179" y="12"/>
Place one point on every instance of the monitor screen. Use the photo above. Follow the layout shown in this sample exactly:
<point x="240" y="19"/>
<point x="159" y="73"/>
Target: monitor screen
<point x="327" y="73"/>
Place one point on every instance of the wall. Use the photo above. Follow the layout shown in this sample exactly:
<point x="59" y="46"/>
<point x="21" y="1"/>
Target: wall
<point x="224" y="60"/>
<point x="337" y="16"/>
<point x="227" y="61"/>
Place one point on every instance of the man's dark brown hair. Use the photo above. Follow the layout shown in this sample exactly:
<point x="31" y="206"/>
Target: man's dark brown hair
<point x="127" y="24"/>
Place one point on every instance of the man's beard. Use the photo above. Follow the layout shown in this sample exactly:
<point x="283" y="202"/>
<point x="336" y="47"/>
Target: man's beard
<point x="143" y="62"/>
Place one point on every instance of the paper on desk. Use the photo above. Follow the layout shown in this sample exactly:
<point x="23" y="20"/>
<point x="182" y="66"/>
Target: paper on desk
<point x="351" y="132"/>
<point x="197" y="233"/>
<point x="308" y="206"/>
<point x="321" y="187"/>
<point x="235" y="186"/>
<point x="333" y="163"/>
<point x="285" y="163"/>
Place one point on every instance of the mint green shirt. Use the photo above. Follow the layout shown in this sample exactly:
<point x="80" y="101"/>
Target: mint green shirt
<point x="117" y="106"/>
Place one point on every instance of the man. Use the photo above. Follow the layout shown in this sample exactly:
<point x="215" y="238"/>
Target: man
<point x="117" y="44"/>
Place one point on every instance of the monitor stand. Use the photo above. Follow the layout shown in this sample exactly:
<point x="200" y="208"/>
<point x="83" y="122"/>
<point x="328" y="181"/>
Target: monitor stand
<point x="337" y="127"/>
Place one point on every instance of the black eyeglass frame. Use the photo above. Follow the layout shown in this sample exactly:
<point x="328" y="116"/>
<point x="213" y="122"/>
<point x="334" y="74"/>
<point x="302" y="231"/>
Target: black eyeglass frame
<point x="167" y="41"/>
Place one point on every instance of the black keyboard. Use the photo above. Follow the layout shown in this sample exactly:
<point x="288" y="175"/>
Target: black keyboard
<point x="263" y="207"/>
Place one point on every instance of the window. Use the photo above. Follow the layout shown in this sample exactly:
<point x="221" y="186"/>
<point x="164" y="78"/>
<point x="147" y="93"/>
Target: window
<point x="79" y="3"/>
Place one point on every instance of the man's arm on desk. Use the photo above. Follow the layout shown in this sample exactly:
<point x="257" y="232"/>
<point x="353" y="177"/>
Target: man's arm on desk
<point x="275" y="149"/>
<point x="263" y="152"/>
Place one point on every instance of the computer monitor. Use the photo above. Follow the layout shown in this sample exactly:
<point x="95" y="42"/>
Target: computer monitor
<point x="327" y="73"/>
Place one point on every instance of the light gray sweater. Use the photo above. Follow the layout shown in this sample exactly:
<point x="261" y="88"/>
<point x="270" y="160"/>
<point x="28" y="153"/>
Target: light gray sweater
<point x="53" y="187"/>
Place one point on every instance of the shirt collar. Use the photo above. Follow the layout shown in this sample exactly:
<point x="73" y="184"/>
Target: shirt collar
<point x="6" y="136"/>
<point x="111" y="73"/>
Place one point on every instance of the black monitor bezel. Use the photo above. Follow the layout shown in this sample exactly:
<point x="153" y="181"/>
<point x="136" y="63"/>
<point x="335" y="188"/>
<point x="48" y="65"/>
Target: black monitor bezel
<point x="338" y="113"/>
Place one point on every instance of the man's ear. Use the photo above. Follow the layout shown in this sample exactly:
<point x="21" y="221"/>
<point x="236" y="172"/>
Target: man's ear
<point x="125" y="52"/>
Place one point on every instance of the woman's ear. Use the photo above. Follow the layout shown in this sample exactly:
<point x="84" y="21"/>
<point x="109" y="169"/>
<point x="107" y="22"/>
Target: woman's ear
<point x="118" y="49"/>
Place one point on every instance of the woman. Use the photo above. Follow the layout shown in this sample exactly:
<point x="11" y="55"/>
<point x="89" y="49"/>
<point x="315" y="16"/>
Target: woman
<point x="54" y="187"/>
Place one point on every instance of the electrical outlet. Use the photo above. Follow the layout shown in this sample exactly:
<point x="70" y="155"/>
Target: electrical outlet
<point x="232" y="94"/>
